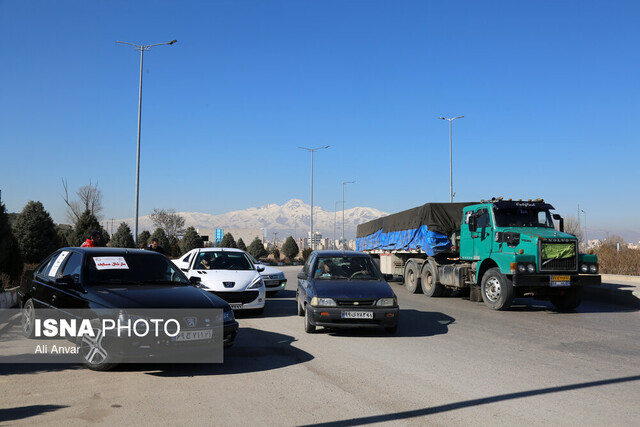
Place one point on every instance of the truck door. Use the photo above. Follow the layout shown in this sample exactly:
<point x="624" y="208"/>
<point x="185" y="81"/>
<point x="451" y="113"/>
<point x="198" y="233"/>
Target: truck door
<point x="482" y="237"/>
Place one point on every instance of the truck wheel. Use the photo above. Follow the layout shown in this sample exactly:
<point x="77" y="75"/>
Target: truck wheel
<point x="411" y="277"/>
<point x="568" y="301"/>
<point x="497" y="290"/>
<point x="429" y="285"/>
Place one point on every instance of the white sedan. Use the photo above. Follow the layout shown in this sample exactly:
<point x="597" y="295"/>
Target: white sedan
<point x="274" y="279"/>
<point x="227" y="273"/>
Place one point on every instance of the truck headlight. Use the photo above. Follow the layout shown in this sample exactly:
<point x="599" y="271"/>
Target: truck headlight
<point x="323" y="302"/>
<point x="386" y="302"/>
<point x="256" y="283"/>
<point x="593" y="269"/>
<point x="522" y="268"/>
<point x="531" y="268"/>
<point x="584" y="268"/>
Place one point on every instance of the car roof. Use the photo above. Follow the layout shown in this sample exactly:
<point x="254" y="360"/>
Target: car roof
<point x="107" y="250"/>
<point x="335" y="253"/>
<point x="220" y="250"/>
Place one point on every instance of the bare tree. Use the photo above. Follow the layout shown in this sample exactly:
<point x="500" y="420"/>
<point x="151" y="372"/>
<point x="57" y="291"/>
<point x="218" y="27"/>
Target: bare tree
<point x="169" y="221"/>
<point x="572" y="226"/>
<point x="89" y="198"/>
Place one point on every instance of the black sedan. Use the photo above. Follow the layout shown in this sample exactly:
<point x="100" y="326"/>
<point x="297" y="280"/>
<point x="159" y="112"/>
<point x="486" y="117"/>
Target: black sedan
<point x="343" y="289"/>
<point x="113" y="284"/>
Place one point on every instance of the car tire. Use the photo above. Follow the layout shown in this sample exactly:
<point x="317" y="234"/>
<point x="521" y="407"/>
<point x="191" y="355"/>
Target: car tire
<point x="94" y="350"/>
<point x="308" y="326"/>
<point x="28" y="318"/>
<point x="300" y="310"/>
<point x="568" y="301"/>
<point x="411" y="277"/>
<point x="497" y="290"/>
<point x="430" y="286"/>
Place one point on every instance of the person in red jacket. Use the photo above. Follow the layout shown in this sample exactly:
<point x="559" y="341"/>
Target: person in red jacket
<point x="94" y="239"/>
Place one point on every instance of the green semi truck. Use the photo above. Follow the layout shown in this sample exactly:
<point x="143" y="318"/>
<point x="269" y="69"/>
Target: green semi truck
<point x="496" y="249"/>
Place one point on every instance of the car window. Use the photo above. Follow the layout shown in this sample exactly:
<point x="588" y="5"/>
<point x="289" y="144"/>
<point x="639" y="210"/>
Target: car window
<point x="346" y="267"/>
<point x="46" y="265"/>
<point x="220" y="260"/>
<point x="131" y="268"/>
<point x="72" y="267"/>
<point x="307" y="265"/>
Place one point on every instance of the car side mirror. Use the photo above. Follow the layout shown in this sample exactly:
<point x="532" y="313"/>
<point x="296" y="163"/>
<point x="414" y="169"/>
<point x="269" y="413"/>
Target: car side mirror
<point x="388" y="277"/>
<point x="260" y="268"/>
<point x="302" y="276"/>
<point x="184" y="269"/>
<point x="70" y="281"/>
<point x="194" y="280"/>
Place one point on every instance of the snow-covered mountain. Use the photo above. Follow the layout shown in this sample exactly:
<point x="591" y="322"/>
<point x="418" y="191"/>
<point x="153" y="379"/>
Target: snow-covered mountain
<point x="291" y="218"/>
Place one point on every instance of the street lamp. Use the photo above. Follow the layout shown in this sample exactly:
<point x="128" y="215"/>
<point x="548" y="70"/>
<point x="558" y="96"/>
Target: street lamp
<point x="451" y="155"/>
<point x="141" y="48"/>
<point x="586" y="241"/>
<point x="335" y="211"/>
<point x="343" y="184"/>
<point x="312" y="150"/>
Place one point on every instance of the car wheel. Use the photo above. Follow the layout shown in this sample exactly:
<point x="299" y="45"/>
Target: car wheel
<point x="300" y="310"/>
<point x="28" y="319"/>
<point x="430" y="287"/>
<point x="497" y="290"/>
<point x="308" y="327"/>
<point x="94" y="349"/>
<point x="411" y="277"/>
<point x="568" y="301"/>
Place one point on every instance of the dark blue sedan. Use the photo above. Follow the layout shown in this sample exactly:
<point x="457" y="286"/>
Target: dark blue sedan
<point x="345" y="289"/>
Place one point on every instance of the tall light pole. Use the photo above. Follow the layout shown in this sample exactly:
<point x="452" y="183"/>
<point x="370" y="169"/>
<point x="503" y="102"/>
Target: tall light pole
<point x="141" y="48"/>
<point x="451" y="155"/>
<point x="312" y="150"/>
<point x="586" y="241"/>
<point x="343" y="184"/>
<point x="335" y="211"/>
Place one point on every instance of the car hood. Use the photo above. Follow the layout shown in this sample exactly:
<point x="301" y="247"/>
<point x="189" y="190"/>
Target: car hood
<point x="214" y="279"/>
<point x="268" y="271"/>
<point x="151" y="296"/>
<point x="353" y="289"/>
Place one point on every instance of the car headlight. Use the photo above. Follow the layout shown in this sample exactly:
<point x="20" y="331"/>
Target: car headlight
<point x="593" y="269"/>
<point x="227" y="316"/>
<point x="531" y="268"/>
<point x="584" y="268"/>
<point x="386" y="302"/>
<point x="323" y="302"/>
<point x="256" y="283"/>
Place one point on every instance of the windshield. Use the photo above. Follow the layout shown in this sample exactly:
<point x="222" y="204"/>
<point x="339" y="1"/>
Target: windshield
<point x="523" y="217"/>
<point x="341" y="267"/>
<point x="223" y="261"/>
<point x="132" y="268"/>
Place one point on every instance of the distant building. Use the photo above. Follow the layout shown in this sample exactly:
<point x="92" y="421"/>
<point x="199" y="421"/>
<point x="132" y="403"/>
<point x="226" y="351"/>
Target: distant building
<point x="214" y="235"/>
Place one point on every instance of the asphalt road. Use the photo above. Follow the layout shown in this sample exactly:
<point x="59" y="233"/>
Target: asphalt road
<point x="452" y="362"/>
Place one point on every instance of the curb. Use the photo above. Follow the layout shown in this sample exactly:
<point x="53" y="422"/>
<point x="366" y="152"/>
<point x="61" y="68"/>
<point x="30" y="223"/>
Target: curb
<point x="9" y="298"/>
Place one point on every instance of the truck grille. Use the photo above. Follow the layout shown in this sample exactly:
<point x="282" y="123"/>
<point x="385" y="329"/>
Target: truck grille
<point x="560" y="261"/>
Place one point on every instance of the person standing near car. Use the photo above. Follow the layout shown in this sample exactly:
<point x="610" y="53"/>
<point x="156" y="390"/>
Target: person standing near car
<point x="94" y="239"/>
<point x="155" y="246"/>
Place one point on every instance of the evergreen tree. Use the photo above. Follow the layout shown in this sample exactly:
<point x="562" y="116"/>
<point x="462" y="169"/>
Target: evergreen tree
<point x="163" y="241"/>
<point x="191" y="240"/>
<point x="256" y="249"/>
<point x="10" y="257"/>
<point x="84" y="225"/>
<point x="276" y="254"/>
<point x="36" y="233"/>
<point x="290" y="248"/>
<point x="240" y="244"/>
<point x="228" y="241"/>
<point x="123" y="237"/>
<point x="305" y="253"/>
<point x="143" y="239"/>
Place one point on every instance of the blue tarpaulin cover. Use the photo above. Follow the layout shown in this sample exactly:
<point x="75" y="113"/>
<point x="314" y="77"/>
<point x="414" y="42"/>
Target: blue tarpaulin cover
<point x="430" y="242"/>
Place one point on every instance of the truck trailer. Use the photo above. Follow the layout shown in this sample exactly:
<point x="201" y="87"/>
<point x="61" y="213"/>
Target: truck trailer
<point x="496" y="250"/>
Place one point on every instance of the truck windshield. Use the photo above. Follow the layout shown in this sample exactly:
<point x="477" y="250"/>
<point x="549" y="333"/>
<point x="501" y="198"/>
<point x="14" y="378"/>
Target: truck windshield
<point x="523" y="217"/>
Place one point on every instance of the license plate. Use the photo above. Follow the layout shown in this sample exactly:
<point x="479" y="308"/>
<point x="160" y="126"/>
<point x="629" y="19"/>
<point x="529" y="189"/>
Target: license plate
<point x="199" y="334"/>
<point x="557" y="281"/>
<point x="236" y="306"/>
<point x="357" y="314"/>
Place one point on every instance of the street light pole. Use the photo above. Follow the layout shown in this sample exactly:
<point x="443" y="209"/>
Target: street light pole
<point x="312" y="150"/>
<point x="343" y="184"/>
<point x="335" y="211"/>
<point x="586" y="241"/>
<point x="451" y="155"/>
<point x="141" y="48"/>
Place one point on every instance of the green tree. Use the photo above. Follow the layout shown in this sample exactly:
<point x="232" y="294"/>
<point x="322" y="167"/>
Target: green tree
<point x="123" y="238"/>
<point x="191" y="240"/>
<point x="305" y="253"/>
<point x="143" y="238"/>
<point x="290" y="248"/>
<point x="10" y="258"/>
<point x="36" y="233"/>
<point x="256" y="249"/>
<point x="163" y="241"/>
<point x="240" y="244"/>
<point x="228" y="241"/>
<point x="84" y="225"/>
<point x="276" y="254"/>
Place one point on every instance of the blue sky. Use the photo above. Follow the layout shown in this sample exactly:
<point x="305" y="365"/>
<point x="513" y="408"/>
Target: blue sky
<point x="549" y="90"/>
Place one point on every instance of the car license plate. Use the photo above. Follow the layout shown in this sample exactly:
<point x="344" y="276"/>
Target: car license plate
<point x="357" y="314"/>
<point x="557" y="281"/>
<point x="199" y="334"/>
<point x="236" y="306"/>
